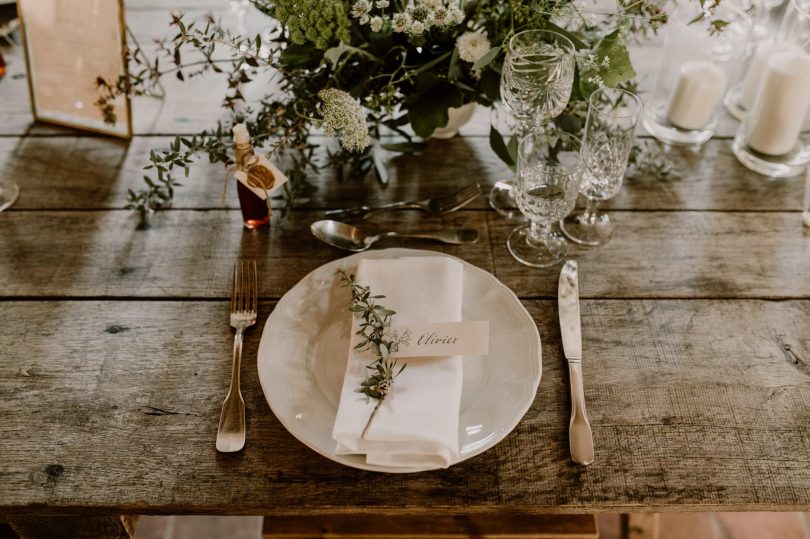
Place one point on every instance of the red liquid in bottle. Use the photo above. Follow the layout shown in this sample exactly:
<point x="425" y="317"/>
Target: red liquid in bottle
<point x="254" y="210"/>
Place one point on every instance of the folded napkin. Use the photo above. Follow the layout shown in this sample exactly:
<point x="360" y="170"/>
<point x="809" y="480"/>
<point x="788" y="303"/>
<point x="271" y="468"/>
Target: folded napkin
<point x="417" y="423"/>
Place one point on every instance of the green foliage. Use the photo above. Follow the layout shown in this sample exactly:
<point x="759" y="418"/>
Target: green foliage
<point x="319" y="22"/>
<point x="375" y="335"/>
<point x="400" y="75"/>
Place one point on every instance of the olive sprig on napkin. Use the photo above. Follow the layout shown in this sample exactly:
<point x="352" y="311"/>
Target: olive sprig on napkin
<point x="375" y="335"/>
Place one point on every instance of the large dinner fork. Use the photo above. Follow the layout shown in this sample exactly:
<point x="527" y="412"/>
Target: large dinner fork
<point x="231" y="433"/>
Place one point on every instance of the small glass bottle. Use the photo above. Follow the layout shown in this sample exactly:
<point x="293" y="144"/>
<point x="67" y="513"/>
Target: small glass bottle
<point x="255" y="209"/>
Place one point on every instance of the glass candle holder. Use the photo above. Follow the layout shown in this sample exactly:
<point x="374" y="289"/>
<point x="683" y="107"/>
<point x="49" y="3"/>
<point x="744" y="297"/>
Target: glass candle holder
<point x="765" y="17"/>
<point x="698" y="61"/>
<point x="768" y="141"/>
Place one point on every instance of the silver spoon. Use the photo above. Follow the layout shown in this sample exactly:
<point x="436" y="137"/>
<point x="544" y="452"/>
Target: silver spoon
<point x="352" y="238"/>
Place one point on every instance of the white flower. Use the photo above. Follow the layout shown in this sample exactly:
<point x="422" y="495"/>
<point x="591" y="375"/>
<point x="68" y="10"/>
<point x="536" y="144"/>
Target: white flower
<point x="441" y="16"/>
<point x="360" y="9"/>
<point x="382" y="4"/>
<point x="344" y="118"/>
<point x="472" y="46"/>
<point x="400" y="22"/>
<point x="376" y="24"/>
<point x="417" y="28"/>
<point x="431" y="3"/>
<point x="456" y="16"/>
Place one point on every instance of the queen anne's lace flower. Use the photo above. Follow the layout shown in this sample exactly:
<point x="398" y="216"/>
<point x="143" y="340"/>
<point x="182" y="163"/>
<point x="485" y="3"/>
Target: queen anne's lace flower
<point x="376" y="24"/>
<point x="361" y="9"/>
<point x="417" y="28"/>
<point x="441" y="16"/>
<point x="400" y="22"/>
<point x="456" y="16"/>
<point x="472" y="46"/>
<point x="344" y="118"/>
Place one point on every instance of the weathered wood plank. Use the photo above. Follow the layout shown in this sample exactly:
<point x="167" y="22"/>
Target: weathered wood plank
<point x="641" y="526"/>
<point x="76" y="527"/>
<point x="190" y="254"/>
<point x="92" y="173"/>
<point x="695" y="405"/>
<point x="505" y="526"/>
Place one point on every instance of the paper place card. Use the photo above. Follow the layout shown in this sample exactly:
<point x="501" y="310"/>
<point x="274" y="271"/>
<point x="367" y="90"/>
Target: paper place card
<point x="440" y="339"/>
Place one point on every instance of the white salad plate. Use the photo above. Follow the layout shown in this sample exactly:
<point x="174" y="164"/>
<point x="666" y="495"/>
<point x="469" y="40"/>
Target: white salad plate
<point x="304" y="350"/>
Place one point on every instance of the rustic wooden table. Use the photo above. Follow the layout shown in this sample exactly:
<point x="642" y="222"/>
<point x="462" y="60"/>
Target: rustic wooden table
<point x="115" y="348"/>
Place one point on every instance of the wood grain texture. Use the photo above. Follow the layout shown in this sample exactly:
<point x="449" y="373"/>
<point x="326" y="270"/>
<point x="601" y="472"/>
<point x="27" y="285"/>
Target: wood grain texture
<point x="189" y="254"/>
<point x="70" y="172"/>
<point x="503" y="526"/>
<point x="113" y="406"/>
<point x="75" y="527"/>
<point x="641" y="525"/>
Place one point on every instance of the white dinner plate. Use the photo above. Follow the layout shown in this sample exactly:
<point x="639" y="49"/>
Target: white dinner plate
<point x="304" y="351"/>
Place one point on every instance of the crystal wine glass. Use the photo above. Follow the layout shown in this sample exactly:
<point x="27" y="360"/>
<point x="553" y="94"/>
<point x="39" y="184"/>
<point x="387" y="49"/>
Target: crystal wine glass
<point x="549" y="174"/>
<point x="610" y="131"/>
<point x="8" y="193"/>
<point x="536" y="82"/>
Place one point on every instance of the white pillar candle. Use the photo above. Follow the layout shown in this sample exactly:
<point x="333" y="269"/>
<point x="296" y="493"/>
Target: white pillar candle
<point x="759" y="61"/>
<point x="699" y="89"/>
<point x="775" y="120"/>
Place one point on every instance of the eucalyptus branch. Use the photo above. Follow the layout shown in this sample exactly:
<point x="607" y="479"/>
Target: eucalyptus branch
<point x="375" y="335"/>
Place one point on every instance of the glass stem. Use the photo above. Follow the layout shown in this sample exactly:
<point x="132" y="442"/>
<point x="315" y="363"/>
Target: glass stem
<point x="591" y="209"/>
<point x="538" y="233"/>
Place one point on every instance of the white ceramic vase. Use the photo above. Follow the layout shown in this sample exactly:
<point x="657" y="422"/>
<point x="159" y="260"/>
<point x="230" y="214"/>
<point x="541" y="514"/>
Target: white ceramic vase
<point x="457" y="117"/>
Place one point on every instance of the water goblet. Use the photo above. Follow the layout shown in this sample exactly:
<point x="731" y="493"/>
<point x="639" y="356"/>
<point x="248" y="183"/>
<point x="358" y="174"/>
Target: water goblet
<point x="536" y="82"/>
<point x="549" y="174"/>
<point x="610" y="131"/>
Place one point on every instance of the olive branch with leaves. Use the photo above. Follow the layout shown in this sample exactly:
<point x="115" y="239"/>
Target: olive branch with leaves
<point x="375" y="336"/>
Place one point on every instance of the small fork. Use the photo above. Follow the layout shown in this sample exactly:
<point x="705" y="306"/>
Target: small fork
<point x="437" y="205"/>
<point x="231" y="432"/>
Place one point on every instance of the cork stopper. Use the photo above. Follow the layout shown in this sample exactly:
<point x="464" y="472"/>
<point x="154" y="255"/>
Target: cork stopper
<point x="240" y="134"/>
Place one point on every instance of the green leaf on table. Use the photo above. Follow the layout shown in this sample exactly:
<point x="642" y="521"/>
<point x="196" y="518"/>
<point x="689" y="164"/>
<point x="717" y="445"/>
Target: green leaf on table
<point x="498" y="145"/>
<point x="427" y="108"/>
<point x="608" y="64"/>
<point x="296" y="56"/>
<point x="491" y="83"/>
<point x="404" y="147"/>
<point x="512" y="147"/>
<point x="569" y="123"/>
<point x="487" y="58"/>
<point x="578" y="43"/>
<point x="426" y="67"/>
<point x="334" y="54"/>
<point x="454" y="71"/>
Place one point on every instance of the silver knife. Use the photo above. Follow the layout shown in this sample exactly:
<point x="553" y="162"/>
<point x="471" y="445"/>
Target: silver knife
<point x="580" y="438"/>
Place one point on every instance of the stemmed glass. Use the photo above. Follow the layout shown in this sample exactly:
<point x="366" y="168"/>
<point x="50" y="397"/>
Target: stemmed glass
<point x="536" y="82"/>
<point x="8" y="193"/>
<point x="610" y="130"/>
<point x="549" y="174"/>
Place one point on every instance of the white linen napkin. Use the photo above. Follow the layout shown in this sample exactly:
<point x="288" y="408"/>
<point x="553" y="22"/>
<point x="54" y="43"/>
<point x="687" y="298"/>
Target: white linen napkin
<point x="417" y="423"/>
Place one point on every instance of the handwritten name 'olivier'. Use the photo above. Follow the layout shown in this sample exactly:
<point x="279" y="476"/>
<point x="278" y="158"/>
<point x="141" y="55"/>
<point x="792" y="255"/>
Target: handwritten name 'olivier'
<point x="432" y="338"/>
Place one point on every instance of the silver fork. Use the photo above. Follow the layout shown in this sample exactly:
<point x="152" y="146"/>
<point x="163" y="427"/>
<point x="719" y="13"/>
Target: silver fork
<point x="440" y="204"/>
<point x="231" y="432"/>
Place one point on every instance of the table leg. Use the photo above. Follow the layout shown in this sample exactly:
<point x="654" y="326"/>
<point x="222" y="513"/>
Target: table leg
<point x="641" y="526"/>
<point x="75" y="527"/>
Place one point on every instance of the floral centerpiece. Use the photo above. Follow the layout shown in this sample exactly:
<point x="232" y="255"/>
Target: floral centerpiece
<point x="363" y="70"/>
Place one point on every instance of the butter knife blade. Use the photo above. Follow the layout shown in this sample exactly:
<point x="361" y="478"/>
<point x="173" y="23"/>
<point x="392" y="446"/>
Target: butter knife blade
<point x="580" y="438"/>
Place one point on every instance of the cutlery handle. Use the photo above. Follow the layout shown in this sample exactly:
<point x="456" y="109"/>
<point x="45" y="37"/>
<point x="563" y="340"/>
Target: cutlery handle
<point x="454" y="236"/>
<point x="361" y="212"/>
<point x="231" y="432"/>
<point x="580" y="438"/>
